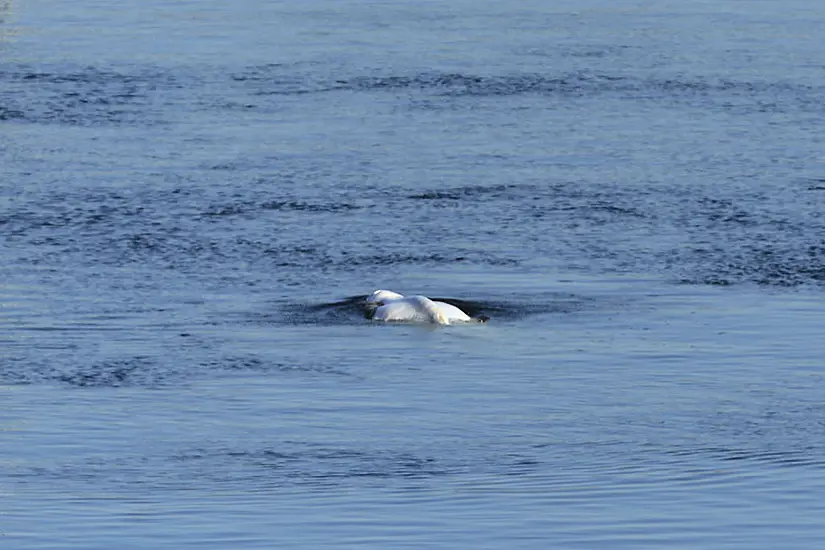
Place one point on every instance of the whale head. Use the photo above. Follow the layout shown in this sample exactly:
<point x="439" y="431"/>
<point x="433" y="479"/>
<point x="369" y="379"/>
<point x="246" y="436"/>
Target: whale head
<point x="380" y="297"/>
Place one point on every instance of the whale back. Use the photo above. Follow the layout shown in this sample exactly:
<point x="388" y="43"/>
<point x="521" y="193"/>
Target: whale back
<point x="430" y="309"/>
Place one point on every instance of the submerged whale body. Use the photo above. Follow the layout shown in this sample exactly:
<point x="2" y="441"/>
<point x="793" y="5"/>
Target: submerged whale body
<point x="386" y="305"/>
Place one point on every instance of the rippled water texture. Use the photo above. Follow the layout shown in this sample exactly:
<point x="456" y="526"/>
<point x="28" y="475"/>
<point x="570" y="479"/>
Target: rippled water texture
<point x="196" y="197"/>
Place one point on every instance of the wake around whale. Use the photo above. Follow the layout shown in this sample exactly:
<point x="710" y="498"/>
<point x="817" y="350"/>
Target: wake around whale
<point x="386" y="305"/>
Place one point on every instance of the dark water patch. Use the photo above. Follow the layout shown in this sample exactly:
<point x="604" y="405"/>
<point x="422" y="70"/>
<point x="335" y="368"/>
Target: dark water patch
<point x="282" y="79"/>
<point x="814" y="184"/>
<point x="781" y="431"/>
<point x="72" y="215"/>
<point x="690" y="236"/>
<point x="146" y="95"/>
<point x="183" y="248"/>
<point x="742" y="96"/>
<point x="87" y="96"/>
<point x="343" y="312"/>
<point x="735" y="233"/>
<point x="311" y="463"/>
<point x="725" y="211"/>
<point x="299" y="463"/>
<point x="248" y="469"/>
<point x="264" y="466"/>
<point x="137" y="371"/>
<point x="746" y="236"/>
<point x="286" y="80"/>
<point x="471" y="192"/>
<point x="460" y="85"/>
<point x="257" y="365"/>
<point x="585" y="51"/>
<point x="7" y="113"/>
<point x="279" y="205"/>
<point x="727" y="94"/>
<point x="150" y="372"/>
<point x="400" y="258"/>
<point x="762" y="263"/>
<point x="597" y="211"/>
<point x="808" y="456"/>
<point x="323" y="258"/>
<point x="538" y="200"/>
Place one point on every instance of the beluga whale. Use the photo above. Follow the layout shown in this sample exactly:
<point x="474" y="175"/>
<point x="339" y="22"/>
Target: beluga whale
<point x="386" y="305"/>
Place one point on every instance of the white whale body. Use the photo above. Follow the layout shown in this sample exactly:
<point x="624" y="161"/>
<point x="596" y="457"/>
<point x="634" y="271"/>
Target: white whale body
<point x="386" y="305"/>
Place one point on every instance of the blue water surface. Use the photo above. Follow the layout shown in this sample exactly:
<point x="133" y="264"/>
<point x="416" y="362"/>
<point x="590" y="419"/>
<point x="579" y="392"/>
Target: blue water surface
<point x="191" y="193"/>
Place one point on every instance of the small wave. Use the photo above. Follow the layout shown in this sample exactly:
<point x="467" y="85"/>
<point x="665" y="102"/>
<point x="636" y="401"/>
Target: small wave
<point x="472" y="192"/>
<point x="10" y="113"/>
<point x="149" y="372"/>
<point x="279" y="205"/>
<point x="248" y="468"/>
<point x="147" y="95"/>
<point x="316" y="463"/>
<point x="141" y="371"/>
<point x="807" y="456"/>
<point x="87" y="96"/>
<point x="765" y="263"/>
<point x="728" y="94"/>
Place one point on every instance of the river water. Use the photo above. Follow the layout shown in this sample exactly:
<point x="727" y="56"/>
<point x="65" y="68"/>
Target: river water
<point x="191" y="193"/>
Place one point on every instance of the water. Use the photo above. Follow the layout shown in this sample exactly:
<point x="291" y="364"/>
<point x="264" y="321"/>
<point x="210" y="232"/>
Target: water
<point x="191" y="191"/>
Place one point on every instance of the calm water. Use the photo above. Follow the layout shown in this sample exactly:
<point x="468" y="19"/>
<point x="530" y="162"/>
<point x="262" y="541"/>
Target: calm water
<point x="190" y="191"/>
